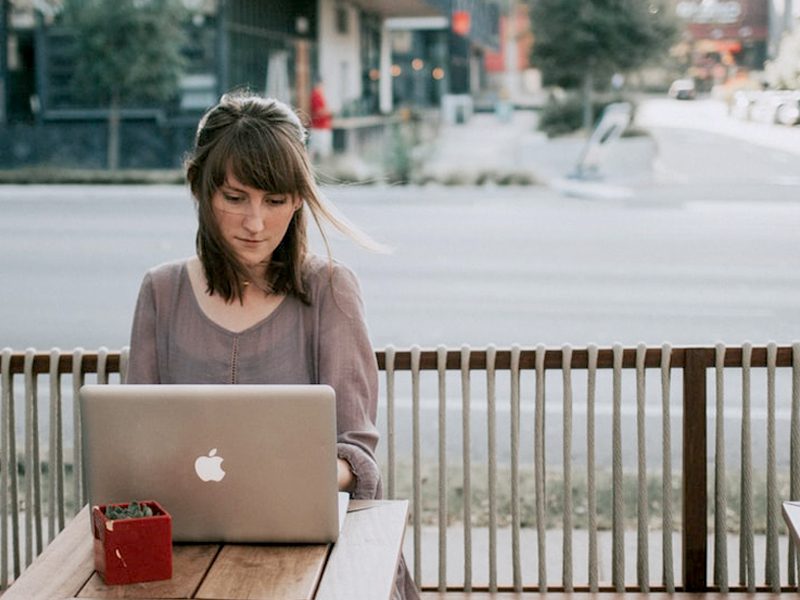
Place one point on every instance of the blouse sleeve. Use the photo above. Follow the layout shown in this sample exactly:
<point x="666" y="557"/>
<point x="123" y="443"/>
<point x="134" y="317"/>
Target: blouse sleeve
<point x="143" y="360"/>
<point x="347" y="363"/>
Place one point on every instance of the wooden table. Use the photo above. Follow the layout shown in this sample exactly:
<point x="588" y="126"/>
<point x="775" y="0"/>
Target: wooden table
<point x="791" y="514"/>
<point x="360" y="565"/>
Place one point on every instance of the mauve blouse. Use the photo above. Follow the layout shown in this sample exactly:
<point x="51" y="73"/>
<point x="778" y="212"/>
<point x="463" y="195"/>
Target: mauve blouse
<point x="173" y="341"/>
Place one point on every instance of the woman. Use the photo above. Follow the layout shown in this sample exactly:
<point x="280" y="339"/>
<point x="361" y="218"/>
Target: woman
<point x="254" y="305"/>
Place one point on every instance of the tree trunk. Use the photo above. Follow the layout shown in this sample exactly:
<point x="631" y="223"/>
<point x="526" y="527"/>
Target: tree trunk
<point x="4" y="85"/>
<point x="588" y="86"/>
<point x="113" y="132"/>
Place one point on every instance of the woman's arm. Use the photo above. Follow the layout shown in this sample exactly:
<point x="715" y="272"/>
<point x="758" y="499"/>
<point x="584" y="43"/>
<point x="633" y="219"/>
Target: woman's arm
<point x="143" y="361"/>
<point x="347" y="363"/>
<point x="347" y="480"/>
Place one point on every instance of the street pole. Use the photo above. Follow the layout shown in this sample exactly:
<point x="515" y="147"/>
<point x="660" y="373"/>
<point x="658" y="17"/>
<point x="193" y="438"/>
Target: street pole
<point x="222" y="47"/>
<point x="510" y="51"/>
<point x="4" y="25"/>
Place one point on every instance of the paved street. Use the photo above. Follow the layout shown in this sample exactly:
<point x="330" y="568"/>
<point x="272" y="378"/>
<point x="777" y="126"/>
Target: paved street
<point x="471" y="266"/>
<point x="689" y="237"/>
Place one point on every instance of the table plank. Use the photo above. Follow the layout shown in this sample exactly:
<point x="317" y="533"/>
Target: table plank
<point x="189" y="565"/>
<point x="791" y="513"/>
<point x="265" y="572"/>
<point x="47" y="578"/>
<point x="363" y="562"/>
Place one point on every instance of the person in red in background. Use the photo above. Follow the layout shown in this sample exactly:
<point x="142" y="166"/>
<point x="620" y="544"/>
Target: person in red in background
<point x="320" y="143"/>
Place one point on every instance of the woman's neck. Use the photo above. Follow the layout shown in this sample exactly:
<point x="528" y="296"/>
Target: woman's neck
<point x="236" y="316"/>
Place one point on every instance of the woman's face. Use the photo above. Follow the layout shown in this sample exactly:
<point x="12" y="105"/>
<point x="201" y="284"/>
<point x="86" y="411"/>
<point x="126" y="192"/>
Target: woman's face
<point x="252" y="221"/>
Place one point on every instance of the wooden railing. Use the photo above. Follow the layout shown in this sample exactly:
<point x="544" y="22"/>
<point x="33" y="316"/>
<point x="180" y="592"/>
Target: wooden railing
<point x="417" y="449"/>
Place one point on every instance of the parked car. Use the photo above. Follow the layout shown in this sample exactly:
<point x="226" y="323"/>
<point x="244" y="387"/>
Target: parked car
<point x="788" y="112"/>
<point x="781" y="107"/>
<point x="742" y="104"/>
<point x="682" y="89"/>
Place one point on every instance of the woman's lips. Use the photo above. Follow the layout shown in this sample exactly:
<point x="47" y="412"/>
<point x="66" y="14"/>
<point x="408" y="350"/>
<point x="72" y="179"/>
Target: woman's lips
<point x="248" y="242"/>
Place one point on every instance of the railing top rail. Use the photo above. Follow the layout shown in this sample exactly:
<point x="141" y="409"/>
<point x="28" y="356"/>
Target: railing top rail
<point x="41" y="361"/>
<point x="579" y="359"/>
<point x="478" y="358"/>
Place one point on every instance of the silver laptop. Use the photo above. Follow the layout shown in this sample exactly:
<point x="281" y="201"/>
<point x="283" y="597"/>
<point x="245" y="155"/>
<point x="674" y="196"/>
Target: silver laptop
<point x="230" y="463"/>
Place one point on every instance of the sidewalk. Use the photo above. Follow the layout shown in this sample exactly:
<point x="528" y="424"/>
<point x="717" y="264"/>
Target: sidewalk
<point x="529" y="561"/>
<point x="485" y="147"/>
<point x="482" y="145"/>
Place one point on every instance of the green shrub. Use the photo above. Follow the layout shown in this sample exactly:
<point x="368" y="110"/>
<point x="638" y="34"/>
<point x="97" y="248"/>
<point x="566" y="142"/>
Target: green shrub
<point x="564" y="116"/>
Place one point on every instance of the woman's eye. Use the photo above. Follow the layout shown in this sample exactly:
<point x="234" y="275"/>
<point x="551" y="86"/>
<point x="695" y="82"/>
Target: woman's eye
<point x="276" y="200"/>
<point x="232" y="199"/>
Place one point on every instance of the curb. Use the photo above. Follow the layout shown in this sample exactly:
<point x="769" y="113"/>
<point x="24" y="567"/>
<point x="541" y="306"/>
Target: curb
<point x="46" y="176"/>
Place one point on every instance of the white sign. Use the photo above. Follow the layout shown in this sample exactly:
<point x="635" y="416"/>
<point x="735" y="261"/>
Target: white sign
<point x="716" y="12"/>
<point x="614" y="121"/>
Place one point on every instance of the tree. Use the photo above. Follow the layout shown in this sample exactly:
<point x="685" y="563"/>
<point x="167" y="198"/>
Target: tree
<point x="579" y="42"/>
<point x="126" y="51"/>
<point x="783" y="72"/>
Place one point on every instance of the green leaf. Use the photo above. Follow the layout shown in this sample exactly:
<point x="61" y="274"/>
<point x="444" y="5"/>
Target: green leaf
<point x="133" y="510"/>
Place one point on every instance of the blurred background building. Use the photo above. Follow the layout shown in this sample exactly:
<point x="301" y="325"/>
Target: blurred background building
<point x="380" y="60"/>
<point x="375" y="56"/>
<point x="724" y="39"/>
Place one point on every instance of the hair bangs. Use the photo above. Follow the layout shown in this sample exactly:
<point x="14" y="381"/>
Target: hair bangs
<point x="259" y="158"/>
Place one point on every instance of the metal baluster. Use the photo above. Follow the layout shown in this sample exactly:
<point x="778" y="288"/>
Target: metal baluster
<point x="390" y="420"/>
<point x="441" y="365"/>
<point x="515" y="499"/>
<point x="591" y="486"/>
<point x="415" y="400"/>
<point x="618" y="517"/>
<point x="643" y="538"/>
<point x="491" y="431"/>
<point x="56" y="466"/>
<point x="124" y="357"/>
<point x="720" y="479"/>
<point x="566" y="555"/>
<point x="794" y="460"/>
<point x="79" y="491"/>
<point x="540" y="466"/>
<point x="466" y="457"/>
<point x="747" y="575"/>
<point x="8" y="470"/>
<point x="102" y="365"/>
<point x="33" y="507"/>
<point x="666" y="470"/>
<point x="772" y="566"/>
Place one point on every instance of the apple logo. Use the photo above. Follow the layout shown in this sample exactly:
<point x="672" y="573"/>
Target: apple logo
<point x="209" y="468"/>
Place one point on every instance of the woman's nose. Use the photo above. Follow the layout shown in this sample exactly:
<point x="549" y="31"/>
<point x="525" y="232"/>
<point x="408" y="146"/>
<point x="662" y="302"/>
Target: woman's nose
<point x="253" y="218"/>
<point x="253" y="222"/>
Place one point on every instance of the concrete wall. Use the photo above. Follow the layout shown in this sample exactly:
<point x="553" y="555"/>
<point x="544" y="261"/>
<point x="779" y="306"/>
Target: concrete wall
<point x="339" y="58"/>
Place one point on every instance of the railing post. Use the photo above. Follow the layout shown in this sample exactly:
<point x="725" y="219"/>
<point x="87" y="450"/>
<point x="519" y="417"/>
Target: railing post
<point x="695" y="527"/>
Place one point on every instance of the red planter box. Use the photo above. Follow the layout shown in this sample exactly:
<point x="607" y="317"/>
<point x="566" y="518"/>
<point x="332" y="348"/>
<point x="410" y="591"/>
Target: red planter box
<point x="133" y="550"/>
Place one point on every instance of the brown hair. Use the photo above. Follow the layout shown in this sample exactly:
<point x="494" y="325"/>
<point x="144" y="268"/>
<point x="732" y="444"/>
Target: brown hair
<point x="261" y="142"/>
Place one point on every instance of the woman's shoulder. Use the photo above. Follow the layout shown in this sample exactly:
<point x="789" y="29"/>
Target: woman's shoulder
<point x="166" y="273"/>
<point x="321" y="274"/>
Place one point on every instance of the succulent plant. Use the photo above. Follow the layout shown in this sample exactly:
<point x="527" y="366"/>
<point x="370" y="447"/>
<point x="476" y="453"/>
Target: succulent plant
<point x="133" y="510"/>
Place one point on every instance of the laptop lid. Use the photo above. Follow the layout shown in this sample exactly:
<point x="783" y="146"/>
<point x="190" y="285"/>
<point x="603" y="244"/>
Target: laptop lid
<point x="230" y="463"/>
